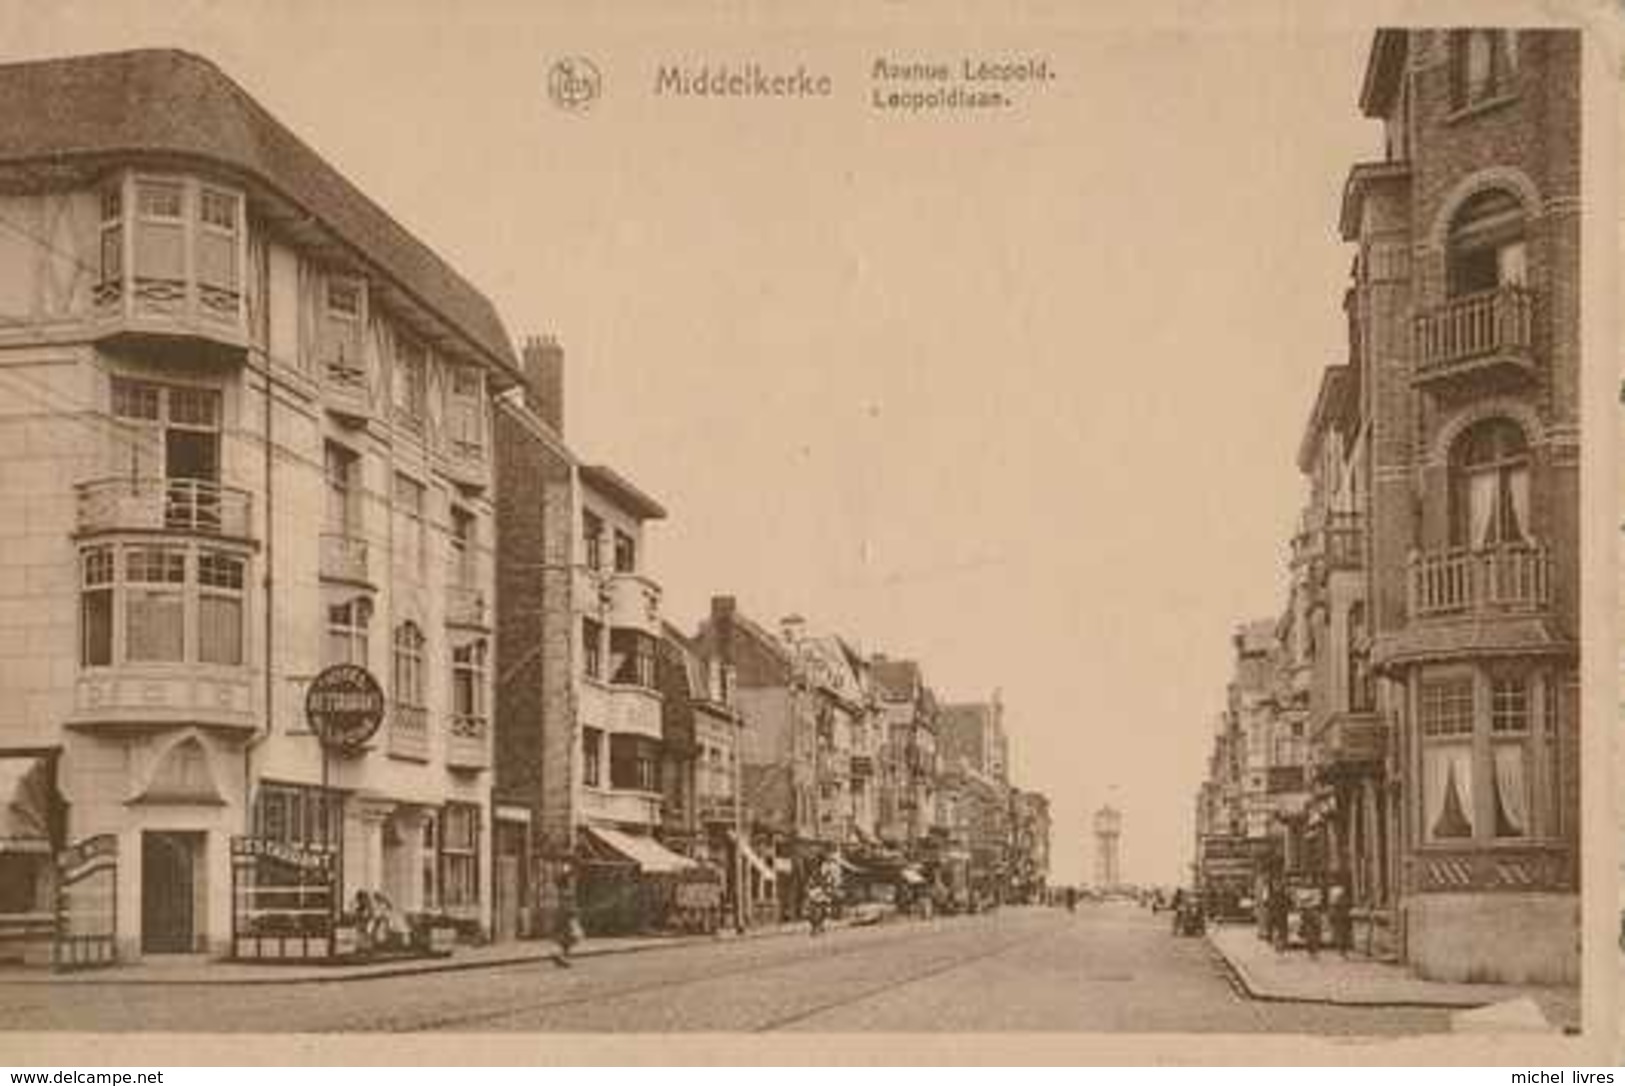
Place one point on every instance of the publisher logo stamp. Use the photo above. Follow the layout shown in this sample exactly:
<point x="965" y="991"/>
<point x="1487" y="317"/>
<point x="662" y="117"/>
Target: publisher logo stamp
<point x="574" y="84"/>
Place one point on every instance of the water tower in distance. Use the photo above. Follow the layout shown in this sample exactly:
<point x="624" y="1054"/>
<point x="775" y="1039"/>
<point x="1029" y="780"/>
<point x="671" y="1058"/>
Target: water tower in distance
<point x="1108" y="837"/>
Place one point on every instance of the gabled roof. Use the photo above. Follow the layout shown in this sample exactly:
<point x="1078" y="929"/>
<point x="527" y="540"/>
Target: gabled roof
<point x="620" y="490"/>
<point x="165" y="104"/>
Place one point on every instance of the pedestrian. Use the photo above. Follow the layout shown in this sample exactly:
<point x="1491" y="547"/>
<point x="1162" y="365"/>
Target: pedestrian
<point x="1311" y="923"/>
<point x="1280" y="916"/>
<point x="1342" y="918"/>
<point x="567" y="928"/>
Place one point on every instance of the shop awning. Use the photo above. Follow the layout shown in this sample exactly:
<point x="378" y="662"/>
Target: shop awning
<point x="649" y="854"/>
<point x="25" y="804"/>
<point x="912" y="876"/>
<point x="750" y="854"/>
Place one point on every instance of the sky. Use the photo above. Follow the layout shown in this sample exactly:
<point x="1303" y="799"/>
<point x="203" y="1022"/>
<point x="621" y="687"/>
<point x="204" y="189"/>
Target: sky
<point x="1015" y="394"/>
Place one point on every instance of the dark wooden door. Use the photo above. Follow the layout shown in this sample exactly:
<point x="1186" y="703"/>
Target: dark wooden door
<point x="168" y="873"/>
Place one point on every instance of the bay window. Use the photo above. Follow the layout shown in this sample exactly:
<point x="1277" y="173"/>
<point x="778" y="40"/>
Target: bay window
<point x="174" y="246"/>
<point x="632" y="658"/>
<point x="168" y="604"/>
<point x="1489" y="745"/>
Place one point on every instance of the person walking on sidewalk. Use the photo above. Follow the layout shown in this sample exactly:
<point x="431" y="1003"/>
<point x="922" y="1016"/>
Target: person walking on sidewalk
<point x="1342" y="918"/>
<point x="1311" y="923"/>
<point x="567" y="928"/>
<point x="1279" y="909"/>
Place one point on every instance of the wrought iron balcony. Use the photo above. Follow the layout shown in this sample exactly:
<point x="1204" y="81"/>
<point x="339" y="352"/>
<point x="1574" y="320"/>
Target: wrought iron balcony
<point x="1510" y="577"/>
<point x="1487" y="329"/>
<point x="190" y="506"/>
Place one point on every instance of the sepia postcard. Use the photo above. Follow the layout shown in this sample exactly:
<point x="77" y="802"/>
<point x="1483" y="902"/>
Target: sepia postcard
<point x="986" y="532"/>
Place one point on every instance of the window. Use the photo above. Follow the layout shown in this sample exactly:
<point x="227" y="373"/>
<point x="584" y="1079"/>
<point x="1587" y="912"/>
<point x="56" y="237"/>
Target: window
<point x="297" y="814"/>
<point x="592" y="755"/>
<point x="1483" y="64"/>
<point x="430" y="854"/>
<point x="96" y="608"/>
<point x="1489" y="486"/>
<point x="592" y="538"/>
<point x="468" y="680"/>
<point x="342" y="469"/>
<point x="220" y="608"/>
<point x="160" y="241"/>
<point x="217" y="245"/>
<point x="347" y="625"/>
<point x="1445" y="713"/>
<point x="634" y="763"/>
<point x="1486" y="248"/>
<point x="154" y="604"/>
<point x="411" y="382"/>
<point x="408" y="685"/>
<point x="1509" y="730"/>
<point x="465" y="411"/>
<point x="592" y="648"/>
<point x="463" y="528"/>
<point x="111" y="273"/>
<point x="460" y="856"/>
<point x="1362" y="693"/>
<point x="626" y="553"/>
<point x="632" y="658"/>
<point x="343" y="317"/>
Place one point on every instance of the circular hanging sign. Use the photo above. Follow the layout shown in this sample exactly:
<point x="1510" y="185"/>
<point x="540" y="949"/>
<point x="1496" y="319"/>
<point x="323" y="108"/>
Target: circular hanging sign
<point x="345" y="706"/>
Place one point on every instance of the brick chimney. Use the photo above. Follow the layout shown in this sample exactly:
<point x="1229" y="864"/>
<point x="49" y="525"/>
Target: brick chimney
<point x="543" y="363"/>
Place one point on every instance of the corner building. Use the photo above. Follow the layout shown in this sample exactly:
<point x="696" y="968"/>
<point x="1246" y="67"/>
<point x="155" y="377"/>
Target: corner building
<point x="243" y="423"/>
<point x="1464" y="338"/>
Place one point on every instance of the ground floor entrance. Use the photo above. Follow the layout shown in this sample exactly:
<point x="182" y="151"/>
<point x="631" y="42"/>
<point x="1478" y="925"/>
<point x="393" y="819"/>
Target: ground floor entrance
<point x="171" y="890"/>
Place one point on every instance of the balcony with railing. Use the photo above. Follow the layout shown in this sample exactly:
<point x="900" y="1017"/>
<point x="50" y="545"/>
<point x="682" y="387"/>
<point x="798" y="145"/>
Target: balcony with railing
<point x="1330" y="540"/>
<point x="186" y="506"/>
<point x="468" y="743"/>
<point x="344" y="558"/>
<point x="1462" y="582"/>
<point x="1488" y="329"/>
<point x="408" y="735"/>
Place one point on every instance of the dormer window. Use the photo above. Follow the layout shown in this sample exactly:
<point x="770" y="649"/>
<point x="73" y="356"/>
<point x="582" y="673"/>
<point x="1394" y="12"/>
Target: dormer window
<point x="1483" y="65"/>
<point x="465" y="412"/>
<point x="411" y="382"/>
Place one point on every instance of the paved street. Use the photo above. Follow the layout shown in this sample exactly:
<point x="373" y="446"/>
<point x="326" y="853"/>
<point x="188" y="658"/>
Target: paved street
<point x="1108" y="968"/>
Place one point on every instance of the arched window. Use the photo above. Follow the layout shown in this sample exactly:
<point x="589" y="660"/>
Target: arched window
<point x="1486" y="246"/>
<point x="409" y="665"/>
<point x="1489" y="486"/>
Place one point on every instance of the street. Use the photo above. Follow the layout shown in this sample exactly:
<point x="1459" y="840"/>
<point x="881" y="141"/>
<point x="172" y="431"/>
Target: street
<point x="1111" y="967"/>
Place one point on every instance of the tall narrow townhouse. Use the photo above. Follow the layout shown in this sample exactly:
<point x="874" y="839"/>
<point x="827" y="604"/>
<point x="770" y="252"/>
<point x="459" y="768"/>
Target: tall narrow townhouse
<point x="580" y="716"/>
<point x="1465" y="338"/>
<point x="244" y="417"/>
<point x="907" y="796"/>
<point x="1348" y="816"/>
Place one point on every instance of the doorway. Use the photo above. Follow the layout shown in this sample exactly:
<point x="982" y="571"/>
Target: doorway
<point x="171" y="864"/>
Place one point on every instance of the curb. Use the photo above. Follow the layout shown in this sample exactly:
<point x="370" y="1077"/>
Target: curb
<point x="404" y="969"/>
<point x="1243" y="982"/>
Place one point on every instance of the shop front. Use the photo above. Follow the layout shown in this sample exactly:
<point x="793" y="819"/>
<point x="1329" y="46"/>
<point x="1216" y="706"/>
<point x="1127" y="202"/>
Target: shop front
<point x="631" y="882"/>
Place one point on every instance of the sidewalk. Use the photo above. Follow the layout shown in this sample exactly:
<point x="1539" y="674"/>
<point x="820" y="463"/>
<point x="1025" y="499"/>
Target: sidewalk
<point x="200" y="969"/>
<point x="1361" y="982"/>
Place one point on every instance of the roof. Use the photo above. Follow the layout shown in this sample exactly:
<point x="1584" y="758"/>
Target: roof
<point x="1383" y="68"/>
<point x="165" y="103"/>
<point x="620" y="490"/>
<point x="895" y="679"/>
<point x="1332" y="404"/>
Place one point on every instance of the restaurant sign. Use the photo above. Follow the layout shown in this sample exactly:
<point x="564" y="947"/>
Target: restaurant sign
<point x="345" y="706"/>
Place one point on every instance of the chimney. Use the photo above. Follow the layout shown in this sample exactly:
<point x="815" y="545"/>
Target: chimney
<point x="543" y="363"/>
